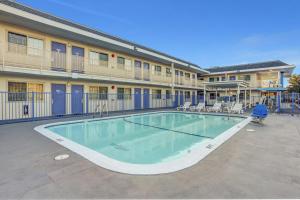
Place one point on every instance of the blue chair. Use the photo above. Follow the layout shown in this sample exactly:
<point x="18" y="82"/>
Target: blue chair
<point x="260" y="112"/>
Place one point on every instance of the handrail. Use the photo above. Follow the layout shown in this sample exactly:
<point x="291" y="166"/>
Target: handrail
<point x="30" y="58"/>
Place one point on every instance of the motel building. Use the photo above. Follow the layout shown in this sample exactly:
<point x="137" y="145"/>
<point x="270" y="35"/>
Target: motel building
<point x="50" y="67"/>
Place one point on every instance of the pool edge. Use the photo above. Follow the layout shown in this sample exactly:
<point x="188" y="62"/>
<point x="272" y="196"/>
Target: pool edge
<point x="197" y="153"/>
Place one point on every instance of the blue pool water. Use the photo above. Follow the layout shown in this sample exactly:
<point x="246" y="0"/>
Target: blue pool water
<point x="146" y="139"/>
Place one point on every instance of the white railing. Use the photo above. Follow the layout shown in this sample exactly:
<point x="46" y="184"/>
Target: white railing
<point x="146" y="75"/>
<point x="77" y="64"/>
<point x="58" y="61"/>
<point x="14" y="55"/>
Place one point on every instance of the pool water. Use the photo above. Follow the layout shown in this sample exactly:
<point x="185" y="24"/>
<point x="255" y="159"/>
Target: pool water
<point x="148" y="138"/>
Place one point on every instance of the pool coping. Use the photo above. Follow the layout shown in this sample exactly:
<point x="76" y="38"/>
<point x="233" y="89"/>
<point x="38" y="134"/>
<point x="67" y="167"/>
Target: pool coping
<point x="195" y="153"/>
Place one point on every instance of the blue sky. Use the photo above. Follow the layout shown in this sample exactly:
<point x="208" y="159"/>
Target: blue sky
<point x="208" y="33"/>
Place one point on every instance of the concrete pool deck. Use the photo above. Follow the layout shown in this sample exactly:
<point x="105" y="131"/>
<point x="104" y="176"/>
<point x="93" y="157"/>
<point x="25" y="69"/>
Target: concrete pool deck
<point x="260" y="164"/>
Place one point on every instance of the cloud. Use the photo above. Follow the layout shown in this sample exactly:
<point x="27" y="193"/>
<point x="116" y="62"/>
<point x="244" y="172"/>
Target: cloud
<point x="91" y="12"/>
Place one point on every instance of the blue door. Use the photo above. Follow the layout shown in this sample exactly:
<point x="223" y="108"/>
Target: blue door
<point x="77" y="99"/>
<point x="194" y="98"/>
<point x="181" y="97"/>
<point x="137" y="98"/>
<point x="176" y="99"/>
<point x="58" y="99"/>
<point x="146" y="98"/>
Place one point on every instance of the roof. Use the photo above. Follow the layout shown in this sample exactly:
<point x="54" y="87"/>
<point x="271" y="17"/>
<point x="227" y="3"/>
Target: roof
<point x="276" y="89"/>
<point x="226" y="84"/>
<point x="136" y="47"/>
<point x="260" y="65"/>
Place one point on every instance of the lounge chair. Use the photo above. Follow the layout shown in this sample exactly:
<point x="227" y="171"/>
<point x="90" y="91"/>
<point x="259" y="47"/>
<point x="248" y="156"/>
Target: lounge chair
<point x="237" y="108"/>
<point x="185" y="106"/>
<point x="217" y="107"/>
<point x="198" y="108"/>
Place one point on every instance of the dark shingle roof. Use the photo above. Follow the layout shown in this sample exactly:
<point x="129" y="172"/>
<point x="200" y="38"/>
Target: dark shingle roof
<point x="259" y="65"/>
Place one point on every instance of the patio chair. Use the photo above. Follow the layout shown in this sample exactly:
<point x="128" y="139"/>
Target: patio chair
<point x="259" y="113"/>
<point x="227" y="106"/>
<point x="217" y="107"/>
<point x="185" y="106"/>
<point x="198" y="108"/>
<point x="237" y="108"/>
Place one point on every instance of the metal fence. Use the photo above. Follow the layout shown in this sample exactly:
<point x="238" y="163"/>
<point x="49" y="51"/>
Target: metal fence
<point x="24" y="106"/>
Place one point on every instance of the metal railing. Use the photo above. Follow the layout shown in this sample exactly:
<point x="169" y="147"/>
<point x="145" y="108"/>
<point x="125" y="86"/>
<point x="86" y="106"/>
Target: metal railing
<point x="39" y="105"/>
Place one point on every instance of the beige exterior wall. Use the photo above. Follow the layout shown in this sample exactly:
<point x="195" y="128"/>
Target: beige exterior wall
<point x="259" y="79"/>
<point x="44" y="62"/>
<point x="43" y="106"/>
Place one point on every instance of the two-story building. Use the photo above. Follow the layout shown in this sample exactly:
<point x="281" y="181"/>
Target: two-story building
<point x="246" y="81"/>
<point x="51" y="66"/>
<point x="51" y="58"/>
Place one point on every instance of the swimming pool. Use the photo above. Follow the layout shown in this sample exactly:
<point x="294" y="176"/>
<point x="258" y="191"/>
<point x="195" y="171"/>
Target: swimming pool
<point x="151" y="143"/>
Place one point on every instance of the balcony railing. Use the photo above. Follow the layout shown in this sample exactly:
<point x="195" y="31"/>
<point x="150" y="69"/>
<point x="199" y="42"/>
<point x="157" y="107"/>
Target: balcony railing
<point x="21" y="56"/>
<point x="77" y="64"/>
<point x="58" y="61"/>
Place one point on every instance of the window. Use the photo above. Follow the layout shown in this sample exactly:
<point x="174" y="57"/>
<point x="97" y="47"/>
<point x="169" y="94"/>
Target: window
<point x="94" y="58"/>
<point x="98" y="59"/>
<point x="103" y="57"/>
<point x="138" y="64"/>
<point x="245" y="77"/>
<point x="121" y="62"/>
<point x="17" y="91"/>
<point x="232" y="78"/>
<point x="38" y="90"/>
<point x="17" y="43"/>
<point x="187" y="76"/>
<point x="146" y="66"/>
<point x="176" y="72"/>
<point x="168" y="72"/>
<point x="124" y="93"/>
<point x="193" y="76"/>
<point x="35" y="47"/>
<point x="58" y="47"/>
<point x="212" y="96"/>
<point x="211" y="79"/>
<point x="223" y="78"/>
<point x="77" y="51"/>
<point x="98" y="92"/>
<point x="168" y="94"/>
<point x="217" y="78"/>
<point x="157" y="70"/>
<point x="181" y="73"/>
<point x="156" y="94"/>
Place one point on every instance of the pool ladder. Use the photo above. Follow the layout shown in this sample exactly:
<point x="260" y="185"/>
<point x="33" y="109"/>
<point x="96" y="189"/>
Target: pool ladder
<point x="101" y="108"/>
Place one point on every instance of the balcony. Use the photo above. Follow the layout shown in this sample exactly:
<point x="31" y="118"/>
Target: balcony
<point x="58" y="61"/>
<point x="77" y="64"/>
<point x="19" y="58"/>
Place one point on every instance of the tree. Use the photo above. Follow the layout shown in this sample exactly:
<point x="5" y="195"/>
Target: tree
<point x="294" y="83"/>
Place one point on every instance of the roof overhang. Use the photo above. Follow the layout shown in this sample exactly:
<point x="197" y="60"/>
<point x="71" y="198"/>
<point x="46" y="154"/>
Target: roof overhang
<point x="68" y="30"/>
<point x="226" y="84"/>
<point x="279" y="89"/>
<point x="287" y="69"/>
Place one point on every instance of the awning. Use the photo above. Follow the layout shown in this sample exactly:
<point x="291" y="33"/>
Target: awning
<point x="278" y="89"/>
